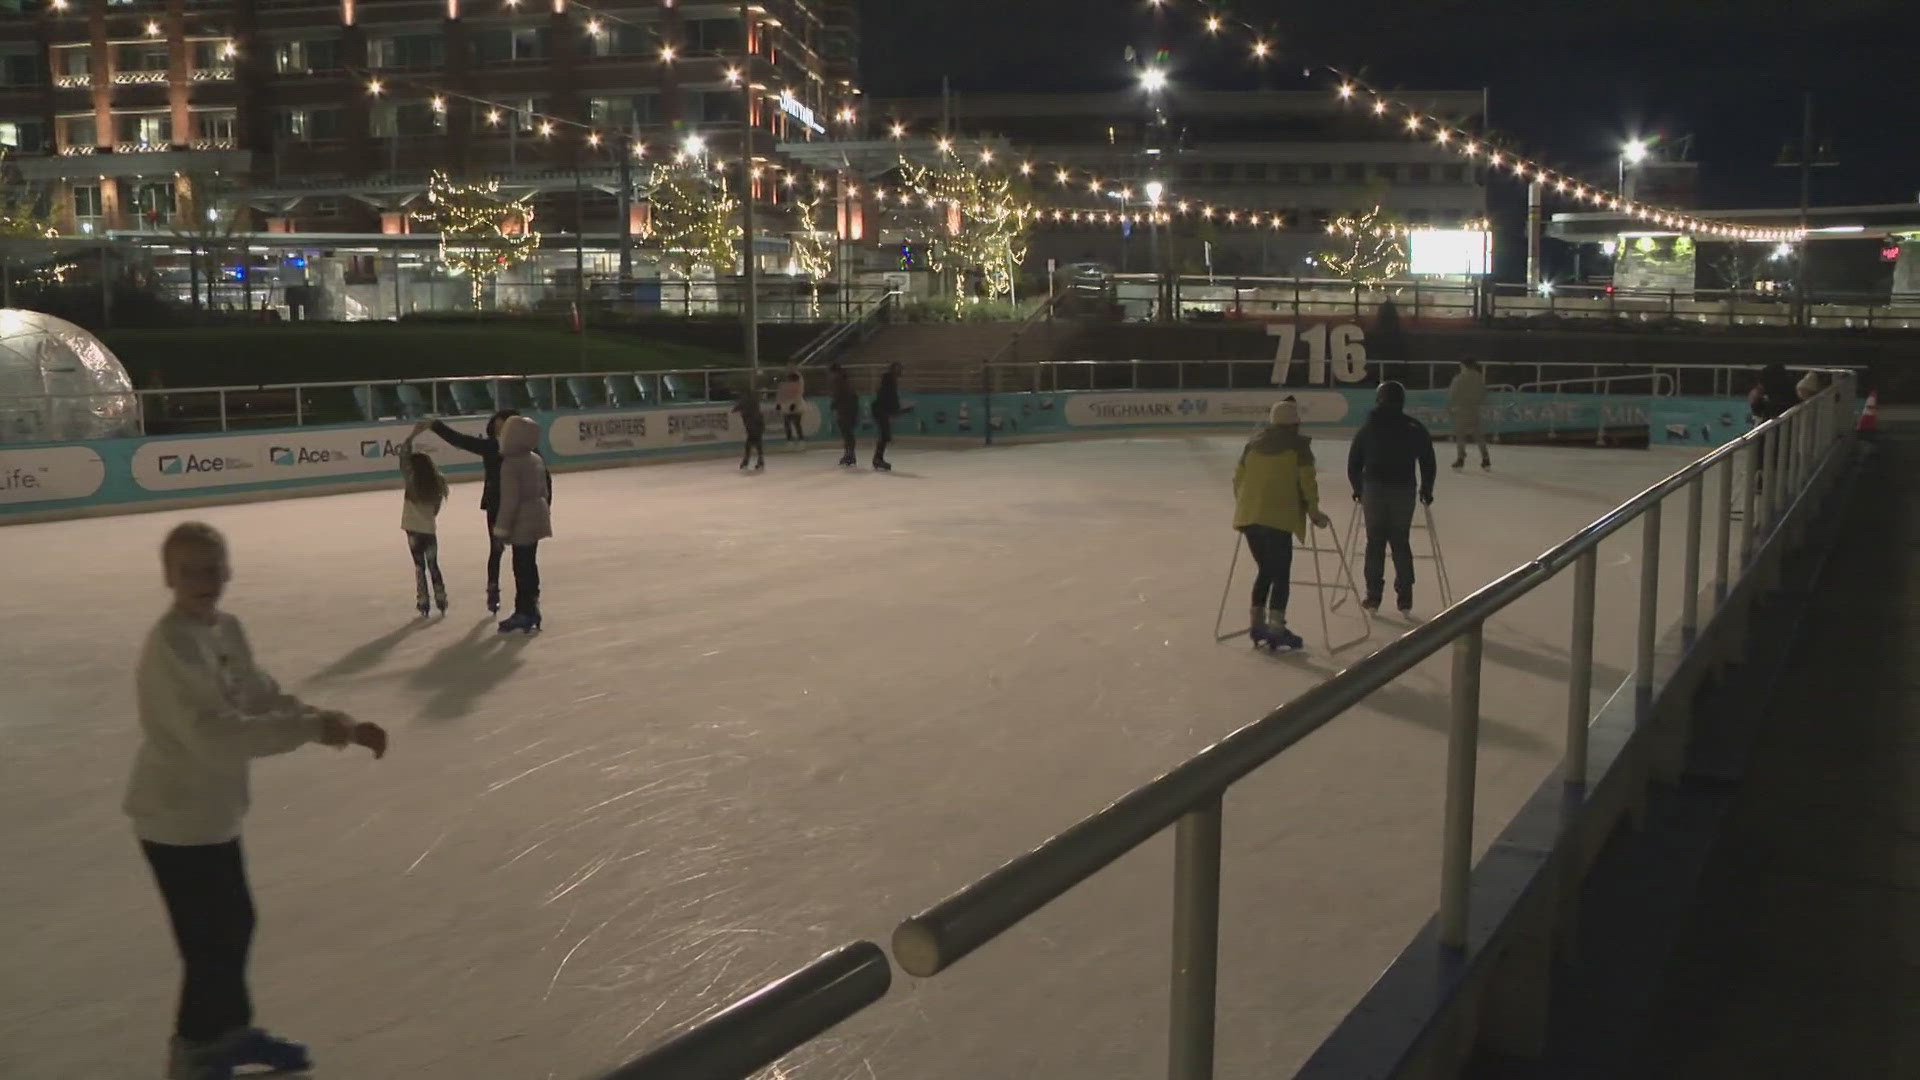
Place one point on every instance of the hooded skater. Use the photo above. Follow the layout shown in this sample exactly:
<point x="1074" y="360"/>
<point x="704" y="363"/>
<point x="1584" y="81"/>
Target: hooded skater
<point x="1275" y="492"/>
<point x="846" y="411"/>
<point x="1466" y="398"/>
<point x="1387" y="451"/>
<point x="755" y="423"/>
<point x="525" y="516"/>
<point x="487" y="448"/>
<point x="886" y="406"/>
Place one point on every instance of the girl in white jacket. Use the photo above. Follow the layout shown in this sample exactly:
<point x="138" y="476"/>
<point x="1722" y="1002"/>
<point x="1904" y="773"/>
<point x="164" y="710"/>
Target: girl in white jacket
<point x="425" y="493"/>
<point x="205" y="713"/>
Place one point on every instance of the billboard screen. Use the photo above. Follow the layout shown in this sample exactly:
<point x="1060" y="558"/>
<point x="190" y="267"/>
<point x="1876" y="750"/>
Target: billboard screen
<point x="1448" y="251"/>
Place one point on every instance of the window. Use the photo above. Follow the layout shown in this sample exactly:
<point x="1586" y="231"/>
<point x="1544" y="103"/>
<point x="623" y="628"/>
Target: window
<point x="86" y="201"/>
<point x="306" y="56"/>
<point x="154" y="201"/>
<point x="1222" y="171"/>
<point x="711" y="106"/>
<point x="1420" y="173"/>
<point x="20" y="68"/>
<point x="1286" y="174"/>
<point x="26" y="134"/>
<point x="217" y="126"/>
<point x="1321" y="171"/>
<point x="709" y="37"/>
<point x="141" y="56"/>
<point x="1257" y="173"/>
<point x="212" y="55"/>
<point x="504" y="44"/>
<point x="1355" y="172"/>
<point x="327" y="123"/>
<point x="1386" y="171"/>
<point x="290" y="124"/>
<point x="75" y="61"/>
<point x="407" y="119"/>
<point x="405" y="51"/>
<point x="144" y="129"/>
<point x="626" y="111"/>
<point x="626" y="40"/>
<point x="80" y="131"/>
<point x="1454" y="174"/>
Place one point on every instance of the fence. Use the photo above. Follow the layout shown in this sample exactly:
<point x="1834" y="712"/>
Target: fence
<point x="1212" y="298"/>
<point x="1802" y="448"/>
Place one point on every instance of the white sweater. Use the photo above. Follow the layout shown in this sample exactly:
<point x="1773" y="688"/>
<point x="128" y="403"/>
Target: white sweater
<point x="205" y="712"/>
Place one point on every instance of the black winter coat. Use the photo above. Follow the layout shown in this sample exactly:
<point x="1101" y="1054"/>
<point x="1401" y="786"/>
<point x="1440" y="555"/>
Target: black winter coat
<point x="487" y="448"/>
<point x="1388" y="448"/>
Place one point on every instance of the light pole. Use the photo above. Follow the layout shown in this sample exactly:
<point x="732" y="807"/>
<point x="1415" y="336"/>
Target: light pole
<point x="1153" y="80"/>
<point x="750" y="308"/>
<point x="1633" y="153"/>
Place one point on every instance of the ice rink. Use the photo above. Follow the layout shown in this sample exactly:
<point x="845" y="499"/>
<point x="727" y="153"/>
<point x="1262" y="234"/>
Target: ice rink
<point x="769" y="714"/>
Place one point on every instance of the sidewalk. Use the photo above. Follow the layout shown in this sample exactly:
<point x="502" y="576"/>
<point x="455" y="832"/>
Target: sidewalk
<point x="1802" y="956"/>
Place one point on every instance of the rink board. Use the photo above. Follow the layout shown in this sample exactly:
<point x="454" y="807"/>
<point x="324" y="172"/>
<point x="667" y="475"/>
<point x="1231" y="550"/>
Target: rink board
<point x="69" y="479"/>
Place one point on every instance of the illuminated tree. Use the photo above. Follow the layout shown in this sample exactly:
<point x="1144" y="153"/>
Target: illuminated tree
<point x="1366" y="249"/>
<point x="482" y="232"/>
<point x="813" y="251"/>
<point x="693" y="219"/>
<point x="21" y="216"/>
<point x="978" y="223"/>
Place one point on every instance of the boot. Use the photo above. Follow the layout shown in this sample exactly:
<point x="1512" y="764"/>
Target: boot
<point x="493" y="598"/>
<point x="1257" y="626"/>
<point x="440" y="596"/>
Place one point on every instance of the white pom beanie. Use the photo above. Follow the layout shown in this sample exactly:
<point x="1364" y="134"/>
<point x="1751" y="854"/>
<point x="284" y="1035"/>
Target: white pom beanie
<point x="1284" y="413"/>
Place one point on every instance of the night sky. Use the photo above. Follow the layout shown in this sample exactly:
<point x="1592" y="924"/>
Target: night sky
<point x="1570" y="79"/>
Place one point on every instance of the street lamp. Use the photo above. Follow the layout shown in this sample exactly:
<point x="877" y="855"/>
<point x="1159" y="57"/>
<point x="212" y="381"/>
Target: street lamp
<point x="1155" y="189"/>
<point x="1153" y="80"/>
<point x="1633" y="153"/>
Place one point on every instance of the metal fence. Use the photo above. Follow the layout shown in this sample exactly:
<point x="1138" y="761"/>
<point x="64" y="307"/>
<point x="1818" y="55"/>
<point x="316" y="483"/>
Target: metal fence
<point x="1798" y="454"/>
<point x="1141" y="298"/>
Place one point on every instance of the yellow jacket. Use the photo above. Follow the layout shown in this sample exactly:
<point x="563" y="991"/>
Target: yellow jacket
<point x="1274" y="484"/>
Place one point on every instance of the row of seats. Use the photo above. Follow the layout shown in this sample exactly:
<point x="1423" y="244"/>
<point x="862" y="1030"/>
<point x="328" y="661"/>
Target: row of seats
<point x="474" y="396"/>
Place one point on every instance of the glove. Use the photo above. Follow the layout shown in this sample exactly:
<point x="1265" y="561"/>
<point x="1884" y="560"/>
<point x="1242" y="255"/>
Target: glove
<point x="1426" y="498"/>
<point x="1356" y="496"/>
<point x="1321" y="520"/>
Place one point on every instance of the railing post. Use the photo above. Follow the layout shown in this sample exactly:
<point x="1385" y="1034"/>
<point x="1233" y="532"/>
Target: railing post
<point x="1690" y="573"/>
<point x="299" y="407"/>
<point x="223" y="410"/>
<point x="1196" y="943"/>
<point x="1726" y="532"/>
<point x="1580" y="667"/>
<point x="1756" y="461"/>
<point x="1649" y="607"/>
<point x="1463" y="750"/>
<point x="1775" y="483"/>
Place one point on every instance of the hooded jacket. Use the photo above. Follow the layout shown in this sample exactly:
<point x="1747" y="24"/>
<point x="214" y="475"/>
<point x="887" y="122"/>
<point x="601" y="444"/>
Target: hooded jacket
<point x="751" y="415"/>
<point x="1468" y="391"/>
<point x="1275" y="484"/>
<point x="1388" y="448"/>
<point x="525" y="515"/>
<point x="845" y="401"/>
<point x="886" y="402"/>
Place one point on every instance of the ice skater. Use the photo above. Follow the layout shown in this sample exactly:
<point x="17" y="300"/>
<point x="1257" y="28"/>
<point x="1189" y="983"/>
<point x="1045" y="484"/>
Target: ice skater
<point x="788" y="402"/>
<point x="1275" y="493"/>
<point x="755" y="423"/>
<point x="525" y="517"/>
<point x="1466" y="398"/>
<point x="886" y="406"/>
<point x="1387" y="450"/>
<point x="205" y="712"/>
<point x="424" y="494"/>
<point x="846" y="412"/>
<point x="487" y="448"/>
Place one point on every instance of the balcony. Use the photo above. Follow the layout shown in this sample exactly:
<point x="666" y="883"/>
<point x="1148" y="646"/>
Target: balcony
<point x="72" y="82"/>
<point x="213" y="74"/>
<point x="138" y="78"/>
<point x="77" y="151"/>
<point x="223" y="142"/>
<point x="141" y="147"/>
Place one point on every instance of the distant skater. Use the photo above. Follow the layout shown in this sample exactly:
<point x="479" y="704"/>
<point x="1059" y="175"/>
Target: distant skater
<point x="755" y="423"/>
<point x="205" y="712"/>
<point x="425" y="492"/>
<point x="846" y="412"/>
<point x="487" y="448"/>
<point x="1275" y="494"/>
<point x="788" y="401"/>
<point x="1466" y="401"/>
<point x="525" y="517"/>
<point x="886" y="406"/>
<point x="1387" y="450"/>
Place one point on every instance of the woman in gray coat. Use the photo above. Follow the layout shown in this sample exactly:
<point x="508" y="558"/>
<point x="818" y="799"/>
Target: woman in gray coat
<point x="525" y="516"/>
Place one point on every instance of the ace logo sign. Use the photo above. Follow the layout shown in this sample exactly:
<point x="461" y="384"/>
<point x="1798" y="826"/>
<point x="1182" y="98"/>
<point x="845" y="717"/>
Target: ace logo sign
<point x="1344" y="347"/>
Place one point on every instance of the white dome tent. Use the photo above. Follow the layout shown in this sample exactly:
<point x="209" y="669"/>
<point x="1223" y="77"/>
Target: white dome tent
<point x="58" y="383"/>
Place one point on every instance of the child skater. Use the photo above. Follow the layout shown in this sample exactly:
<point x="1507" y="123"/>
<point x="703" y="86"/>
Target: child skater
<point x="426" y="490"/>
<point x="205" y="712"/>
<point x="754" y="421"/>
<point x="525" y="518"/>
<point x="1275" y="494"/>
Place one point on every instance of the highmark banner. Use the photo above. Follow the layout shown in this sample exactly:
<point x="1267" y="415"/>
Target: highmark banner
<point x="65" y="479"/>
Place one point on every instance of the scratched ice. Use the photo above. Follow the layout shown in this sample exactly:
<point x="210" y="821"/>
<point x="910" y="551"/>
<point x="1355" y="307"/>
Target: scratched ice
<point x="770" y="714"/>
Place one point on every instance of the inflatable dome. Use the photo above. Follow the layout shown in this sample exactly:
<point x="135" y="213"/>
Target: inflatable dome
<point x="58" y="383"/>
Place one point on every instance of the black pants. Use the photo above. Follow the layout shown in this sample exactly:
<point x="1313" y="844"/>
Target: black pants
<point x="1273" y="556"/>
<point x="756" y="444"/>
<point x="495" y="546"/>
<point x="885" y="423"/>
<point x="205" y="888"/>
<point x="526" y="579"/>
<point x="792" y="422"/>
<point x="426" y="563"/>
<point x="849" y="430"/>
<point x="1389" y="512"/>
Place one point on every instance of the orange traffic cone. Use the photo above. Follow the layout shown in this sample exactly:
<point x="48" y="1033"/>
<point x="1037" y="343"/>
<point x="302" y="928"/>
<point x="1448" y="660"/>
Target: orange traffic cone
<point x="1870" y="415"/>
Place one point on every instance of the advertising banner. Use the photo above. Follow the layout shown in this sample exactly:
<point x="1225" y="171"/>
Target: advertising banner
<point x="189" y="464"/>
<point x="50" y="474"/>
<point x="593" y="434"/>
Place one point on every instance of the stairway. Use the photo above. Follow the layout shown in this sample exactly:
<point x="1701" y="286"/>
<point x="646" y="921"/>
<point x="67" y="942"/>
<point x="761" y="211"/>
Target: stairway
<point x="947" y="357"/>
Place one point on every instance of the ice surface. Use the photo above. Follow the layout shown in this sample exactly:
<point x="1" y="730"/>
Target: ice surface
<point x="769" y="714"/>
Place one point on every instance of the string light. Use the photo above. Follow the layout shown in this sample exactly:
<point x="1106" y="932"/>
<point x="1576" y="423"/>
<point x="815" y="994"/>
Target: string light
<point x="373" y="87"/>
<point x="667" y="54"/>
<point x="1260" y="50"/>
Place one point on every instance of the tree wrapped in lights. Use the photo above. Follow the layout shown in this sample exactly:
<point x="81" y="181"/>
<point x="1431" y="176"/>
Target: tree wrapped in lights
<point x="20" y="207"/>
<point x="483" y="233"/>
<point x="813" y="251"/>
<point x="693" y="219"/>
<point x="978" y="223"/>
<point x="1366" y="249"/>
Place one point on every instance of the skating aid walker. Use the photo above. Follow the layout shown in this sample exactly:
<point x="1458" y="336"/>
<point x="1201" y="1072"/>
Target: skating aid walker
<point x="1422" y="524"/>
<point x="1344" y="585"/>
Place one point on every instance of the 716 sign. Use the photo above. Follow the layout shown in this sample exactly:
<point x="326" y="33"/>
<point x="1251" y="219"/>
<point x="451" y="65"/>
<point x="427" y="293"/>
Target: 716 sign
<point x="1347" y="345"/>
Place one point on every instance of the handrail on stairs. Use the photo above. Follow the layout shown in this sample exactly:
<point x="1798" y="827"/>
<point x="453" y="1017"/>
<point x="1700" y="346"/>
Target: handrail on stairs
<point x="835" y="339"/>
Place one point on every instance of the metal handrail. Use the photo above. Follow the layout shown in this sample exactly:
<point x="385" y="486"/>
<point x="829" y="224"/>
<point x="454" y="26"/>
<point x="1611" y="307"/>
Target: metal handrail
<point x="1605" y="382"/>
<point x="834" y="336"/>
<point x="767" y="1024"/>
<point x="1794" y="447"/>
